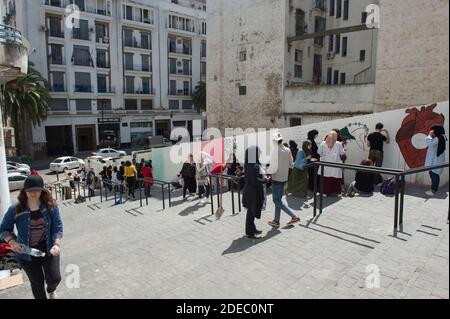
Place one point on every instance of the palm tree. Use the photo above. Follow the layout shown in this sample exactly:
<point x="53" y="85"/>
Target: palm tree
<point x="25" y="102"/>
<point x="199" y="97"/>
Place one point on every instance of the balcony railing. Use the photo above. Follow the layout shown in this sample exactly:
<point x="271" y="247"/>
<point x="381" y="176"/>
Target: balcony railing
<point x="10" y="35"/>
<point x="81" y="35"/>
<point x="57" y="88"/>
<point x="103" y="64"/>
<point x="105" y="89"/>
<point x="184" y="92"/>
<point x="139" y="19"/>
<point x="187" y="51"/>
<point x="142" y="91"/>
<point x="81" y="88"/>
<point x="54" y="3"/>
<point x="82" y="61"/>
<point x="180" y="72"/>
<point x="134" y="44"/>
<point x="56" y="33"/>
<point x="138" y="68"/>
<point x="100" y="11"/>
<point x="57" y="60"/>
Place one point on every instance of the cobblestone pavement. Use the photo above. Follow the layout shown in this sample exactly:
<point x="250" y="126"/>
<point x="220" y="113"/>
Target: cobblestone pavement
<point x="184" y="252"/>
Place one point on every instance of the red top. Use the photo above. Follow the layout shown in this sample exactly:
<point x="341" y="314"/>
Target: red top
<point x="148" y="173"/>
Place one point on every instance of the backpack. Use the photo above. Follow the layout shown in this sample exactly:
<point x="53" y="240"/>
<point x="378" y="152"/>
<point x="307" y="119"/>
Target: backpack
<point x="80" y="199"/>
<point x="388" y="187"/>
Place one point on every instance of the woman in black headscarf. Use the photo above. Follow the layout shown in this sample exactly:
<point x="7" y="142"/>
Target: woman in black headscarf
<point x="312" y="135"/>
<point x="253" y="195"/>
<point x="436" y="141"/>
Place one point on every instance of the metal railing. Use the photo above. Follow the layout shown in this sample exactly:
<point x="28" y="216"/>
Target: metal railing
<point x="233" y="179"/>
<point x="398" y="174"/>
<point x="10" y="35"/>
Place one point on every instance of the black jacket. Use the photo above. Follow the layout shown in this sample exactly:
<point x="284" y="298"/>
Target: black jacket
<point x="253" y="195"/>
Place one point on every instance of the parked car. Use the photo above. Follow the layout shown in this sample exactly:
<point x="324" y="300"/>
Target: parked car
<point x="97" y="163"/>
<point x="66" y="163"/>
<point x="110" y="152"/>
<point x="21" y="170"/>
<point x="16" y="181"/>
<point x="15" y="164"/>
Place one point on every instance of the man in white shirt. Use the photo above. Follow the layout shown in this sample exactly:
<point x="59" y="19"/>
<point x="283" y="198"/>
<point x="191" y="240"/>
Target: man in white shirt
<point x="280" y="163"/>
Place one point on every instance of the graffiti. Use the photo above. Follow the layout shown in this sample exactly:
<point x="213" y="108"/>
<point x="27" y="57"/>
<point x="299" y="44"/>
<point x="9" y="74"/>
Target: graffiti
<point x="416" y="122"/>
<point x="356" y="132"/>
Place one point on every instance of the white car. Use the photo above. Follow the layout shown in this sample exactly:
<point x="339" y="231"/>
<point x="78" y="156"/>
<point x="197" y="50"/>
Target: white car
<point x="110" y="152"/>
<point x="17" y="165"/>
<point x="16" y="181"/>
<point x="20" y="170"/>
<point x="63" y="164"/>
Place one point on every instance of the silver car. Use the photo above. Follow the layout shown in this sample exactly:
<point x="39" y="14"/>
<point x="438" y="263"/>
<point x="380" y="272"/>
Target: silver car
<point x="67" y="163"/>
<point x="20" y="170"/>
<point x="16" y="181"/>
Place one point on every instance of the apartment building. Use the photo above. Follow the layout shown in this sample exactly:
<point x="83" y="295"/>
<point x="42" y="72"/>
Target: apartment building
<point x="312" y="60"/>
<point x="124" y="72"/>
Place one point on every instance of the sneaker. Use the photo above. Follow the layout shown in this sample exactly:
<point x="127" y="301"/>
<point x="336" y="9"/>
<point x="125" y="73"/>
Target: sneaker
<point x="52" y="295"/>
<point x="293" y="220"/>
<point x="258" y="232"/>
<point x="202" y="201"/>
<point x="429" y="193"/>
<point x="253" y="237"/>
<point x="274" y="223"/>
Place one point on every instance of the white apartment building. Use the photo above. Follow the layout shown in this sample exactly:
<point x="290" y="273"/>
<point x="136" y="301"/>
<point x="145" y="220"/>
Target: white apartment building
<point x="125" y="72"/>
<point x="347" y="58"/>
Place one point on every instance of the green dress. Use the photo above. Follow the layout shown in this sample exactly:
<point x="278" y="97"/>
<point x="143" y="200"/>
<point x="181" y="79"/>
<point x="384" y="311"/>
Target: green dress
<point x="298" y="179"/>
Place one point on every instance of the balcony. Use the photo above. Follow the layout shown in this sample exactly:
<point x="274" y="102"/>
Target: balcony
<point x="140" y="91"/>
<point x="55" y="33"/>
<point x="78" y="34"/>
<point x="82" y="88"/>
<point x="13" y="55"/>
<point x="82" y="61"/>
<point x="185" y="50"/>
<point x="185" y="92"/>
<point x="180" y="72"/>
<point x="106" y="90"/>
<point x="138" y="68"/>
<point x="100" y="11"/>
<point x="54" y="3"/>
<point x="56" y="60"/>
<point x="102" y="64"/>
<point x="320" y="5"/>
<point x="57" y="88"/>
<point x="134" y="44"/>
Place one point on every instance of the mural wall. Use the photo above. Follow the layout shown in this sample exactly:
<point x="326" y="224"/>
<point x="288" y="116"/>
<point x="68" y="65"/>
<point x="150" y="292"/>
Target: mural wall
<point x="407" y="128"/>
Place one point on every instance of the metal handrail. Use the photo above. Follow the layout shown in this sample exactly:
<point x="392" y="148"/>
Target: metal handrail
<point x="399" y="183"/>
<point x="10" y="34"/>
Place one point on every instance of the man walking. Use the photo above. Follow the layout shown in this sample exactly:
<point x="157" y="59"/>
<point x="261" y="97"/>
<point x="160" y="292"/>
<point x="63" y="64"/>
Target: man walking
<point x="280" y="163"/>
<point x="375" y="142"/>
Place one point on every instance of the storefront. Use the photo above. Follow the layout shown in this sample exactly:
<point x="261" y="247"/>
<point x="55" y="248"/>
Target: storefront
<point x="109" y="132"/>
<point x="140" y="131"/>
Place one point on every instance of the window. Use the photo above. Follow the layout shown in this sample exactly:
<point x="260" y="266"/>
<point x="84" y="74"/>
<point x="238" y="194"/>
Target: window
<point x="242" y="90"/>
<point x="346" y="9"/>
<point x="145" y="40"/>
<point x="342" y="78"/>
<point x="187" y="67"/>
<point x="299" y="56"/>
<point x="243" y="55"/>
<point x="172" y="66"/>
<point x="58" y="105"/>
<point x="173" y="87"/>
<point x="128" y="12"/>
<point x="204" y="27"/>
<point x="55" y="27"/>
<point x="295" y="121"/>
<point x="128" y="61"/>
<point x="130" y="105"/>
<point x="186" y="105"/>
<point x="181" y="23"/>
<point x="344" y="46"/>
<point x="203" y="68"/>
<point x="186" y="88"/>
<point x="84" y="105"/>
<point x="58" y="82"/>
<point x="82" y="33"/>
<point x="298" y="71"/>
<point x="332" y="7"/>
<point x="128" y="37"/>
<point x="101" y="59"/>
<point x="338" y="9"/>
<point x="174" y="104"/>
<point x="363" y="17"/>
<point x="101" y="32"/>
<point x="299" y="22"/>
<point x="330" y="43"/>
<point x="329" y="76"/>
<point x="83" y="82"/>
<point x="145" y="62"/>
<point x="129" y="84"/>
<point x="203" y="49"/>
<point x="56" y="54"/>
<point x="336" y="77"/>
<point x="362" y="55"/>
<point x="82" y="56"/>
<point x="146" y="105"/>
<point x="338" y="43"/>
<point x="146" y="86"/>
<point x="102" y="83"/>
<point x="104" y="105"/>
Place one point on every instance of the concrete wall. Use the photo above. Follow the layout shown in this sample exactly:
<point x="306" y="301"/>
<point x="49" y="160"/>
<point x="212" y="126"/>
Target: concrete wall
<point x="254" y="26"/>
<point x="413" y="50"/>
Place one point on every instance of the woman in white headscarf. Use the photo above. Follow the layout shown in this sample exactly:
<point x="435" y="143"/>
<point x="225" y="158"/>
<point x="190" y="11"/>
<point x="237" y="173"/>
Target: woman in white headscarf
<point x="331" y="151"/>
<point x="202" y="177"/>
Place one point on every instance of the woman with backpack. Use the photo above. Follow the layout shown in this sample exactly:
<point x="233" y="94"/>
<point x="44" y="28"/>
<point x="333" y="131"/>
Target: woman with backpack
<point x="436" y="141"/>
<point x="298" y="180"/>
<point x="130" y="174"/>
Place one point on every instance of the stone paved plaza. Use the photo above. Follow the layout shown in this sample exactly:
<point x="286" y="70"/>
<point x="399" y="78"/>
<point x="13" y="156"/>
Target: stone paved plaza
<point x="184" y="252"/>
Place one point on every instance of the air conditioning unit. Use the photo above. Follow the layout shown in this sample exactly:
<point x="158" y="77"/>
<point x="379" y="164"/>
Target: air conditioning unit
<point x="179" y="41"/>
<point x="179" y="63"/>
<point x="330" y="55"/>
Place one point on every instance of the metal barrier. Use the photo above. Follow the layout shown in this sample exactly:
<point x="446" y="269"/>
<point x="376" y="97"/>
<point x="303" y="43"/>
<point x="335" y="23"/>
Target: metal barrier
<point x="399" y="183"/>
<point x="228" y="178"/>
<point x="160" y="183"/>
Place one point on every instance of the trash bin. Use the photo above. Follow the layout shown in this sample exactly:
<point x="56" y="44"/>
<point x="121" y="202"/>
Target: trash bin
<point x="67" y="192"/>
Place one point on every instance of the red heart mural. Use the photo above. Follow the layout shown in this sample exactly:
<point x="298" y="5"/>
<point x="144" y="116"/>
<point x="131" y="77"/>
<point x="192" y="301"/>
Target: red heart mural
<point x="417" y="121"/>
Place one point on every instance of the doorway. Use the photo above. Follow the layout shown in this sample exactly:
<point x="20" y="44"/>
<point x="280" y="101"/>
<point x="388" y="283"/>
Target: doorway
<point x="162" y="128"/>
<point x="86" y="138"/>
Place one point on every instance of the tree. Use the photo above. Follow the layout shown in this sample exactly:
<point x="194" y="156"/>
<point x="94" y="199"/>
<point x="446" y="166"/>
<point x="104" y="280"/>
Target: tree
<point x="199" y="97"/>
<point x="25" y="102"/>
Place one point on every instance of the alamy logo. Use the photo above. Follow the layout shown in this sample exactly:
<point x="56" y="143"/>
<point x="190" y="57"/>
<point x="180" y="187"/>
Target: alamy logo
<point x="73" y="276"/>
<point x="373" y="16"/>
<point x="373" y="277"/>
<point x="72" y="16"/>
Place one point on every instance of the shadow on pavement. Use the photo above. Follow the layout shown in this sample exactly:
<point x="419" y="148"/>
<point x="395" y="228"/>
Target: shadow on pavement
<point x="244" y="243"/>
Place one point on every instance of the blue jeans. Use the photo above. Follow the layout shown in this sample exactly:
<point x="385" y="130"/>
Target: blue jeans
<point x="435" y="180"/>
<point x="278" y="192"/>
